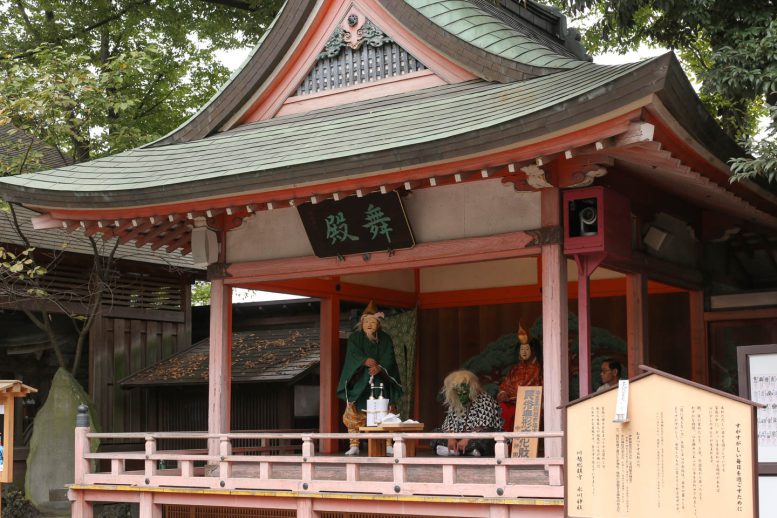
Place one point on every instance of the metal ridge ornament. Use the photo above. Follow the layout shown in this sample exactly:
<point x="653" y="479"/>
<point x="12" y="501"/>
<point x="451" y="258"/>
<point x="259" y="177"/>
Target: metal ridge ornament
<point x="354" y="31"/>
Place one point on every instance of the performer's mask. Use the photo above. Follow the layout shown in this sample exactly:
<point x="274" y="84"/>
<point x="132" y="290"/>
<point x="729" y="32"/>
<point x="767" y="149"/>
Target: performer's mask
<point x="462" y="391"/>
<point x="524" y="352"/>
<point x="370" y="326"/>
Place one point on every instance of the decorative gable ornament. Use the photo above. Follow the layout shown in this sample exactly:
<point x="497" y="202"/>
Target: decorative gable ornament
<point x="356" y="53"/>
<point x="354" y="31"/>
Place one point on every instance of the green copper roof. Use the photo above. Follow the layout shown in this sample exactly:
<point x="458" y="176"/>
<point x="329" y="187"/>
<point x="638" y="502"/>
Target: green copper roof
<point x="270" y="154"/>
<point x="477" y="27"/>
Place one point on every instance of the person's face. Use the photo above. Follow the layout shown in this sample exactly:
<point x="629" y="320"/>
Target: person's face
<point x="608" y="375"/>
<point x="370" y="325"/>
<point x="524" y="352"/>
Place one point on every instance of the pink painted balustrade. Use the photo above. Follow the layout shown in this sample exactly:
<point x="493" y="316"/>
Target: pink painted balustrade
<point x="237" y="467"/>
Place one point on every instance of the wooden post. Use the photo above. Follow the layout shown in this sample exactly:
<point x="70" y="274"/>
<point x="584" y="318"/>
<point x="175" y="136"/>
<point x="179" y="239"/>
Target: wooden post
<point x="329" y="417"/>
<point x="305" y="508"/>
<point x="7" y="401"/>
<point x="636" y="322"/>
<point x="498" y="511"/>
<point x="586" y="264"/>
<point x="555" y="346"/>
<point x="80" y="507"/>
<point x="149" y="509"/>
<point x="220" y="362"/>
<point x="583" y="328"/>
<point x="699" y="349"/>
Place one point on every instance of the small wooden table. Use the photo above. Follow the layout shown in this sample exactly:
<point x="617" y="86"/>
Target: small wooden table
<point x="377" y="447"/>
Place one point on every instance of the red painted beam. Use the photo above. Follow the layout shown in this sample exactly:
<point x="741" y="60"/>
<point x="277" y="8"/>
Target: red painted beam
<point x="346" y="291"/>
<point x="502" y="246"/>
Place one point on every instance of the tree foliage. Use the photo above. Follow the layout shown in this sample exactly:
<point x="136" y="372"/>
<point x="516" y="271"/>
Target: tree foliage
<point x="96" y="78"/>
<point x="201" y="293"/>
<point x="99" y="77"/>
<point x="729" y="47"/>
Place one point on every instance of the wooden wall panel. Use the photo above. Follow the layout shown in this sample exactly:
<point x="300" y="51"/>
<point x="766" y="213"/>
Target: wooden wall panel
<point x="120" y="347"/>
<point x="669" y="333"/>
<point x="448" y="337"/>
<point x="254" y="407"/>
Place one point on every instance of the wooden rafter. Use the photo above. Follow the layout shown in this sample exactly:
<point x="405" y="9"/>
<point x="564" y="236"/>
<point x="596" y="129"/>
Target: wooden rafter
<point x="156" y="232"/>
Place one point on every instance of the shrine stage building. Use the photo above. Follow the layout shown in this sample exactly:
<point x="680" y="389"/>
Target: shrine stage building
<point x="463" y="158"/>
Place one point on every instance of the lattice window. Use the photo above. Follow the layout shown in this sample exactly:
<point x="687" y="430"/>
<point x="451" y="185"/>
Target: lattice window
<point x="128" y="290"/>
<point x="364" y="65"/>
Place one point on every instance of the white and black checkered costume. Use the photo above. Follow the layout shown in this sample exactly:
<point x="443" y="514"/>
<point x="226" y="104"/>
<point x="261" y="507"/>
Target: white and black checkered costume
<point x="482" y="415"/>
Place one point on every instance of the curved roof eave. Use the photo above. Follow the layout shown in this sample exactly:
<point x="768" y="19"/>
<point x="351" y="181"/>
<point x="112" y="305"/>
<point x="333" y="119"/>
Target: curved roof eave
<point x="519" y="112"/>
<point x="416" y="128"/>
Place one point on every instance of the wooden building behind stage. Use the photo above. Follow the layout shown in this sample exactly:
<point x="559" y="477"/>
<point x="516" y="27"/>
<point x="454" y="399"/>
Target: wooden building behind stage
<point x="146" y="318"/>
<point x="533" y="181"/>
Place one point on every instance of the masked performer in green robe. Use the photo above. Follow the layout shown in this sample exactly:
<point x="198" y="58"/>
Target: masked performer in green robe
<point x="370" y="354"/>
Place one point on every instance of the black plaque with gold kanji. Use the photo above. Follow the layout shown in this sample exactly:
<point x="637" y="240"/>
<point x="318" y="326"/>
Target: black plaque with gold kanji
<point x="372" y="223"/>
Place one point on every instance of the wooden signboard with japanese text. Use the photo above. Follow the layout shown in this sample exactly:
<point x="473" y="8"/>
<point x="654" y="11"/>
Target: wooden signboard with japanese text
<point x="686" y="451"/>
<point x="375" y="222"/>
<point x="528" y="409"/>
<point x="757" y="368"/>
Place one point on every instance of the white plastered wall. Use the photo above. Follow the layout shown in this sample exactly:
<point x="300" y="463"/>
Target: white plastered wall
<point x="400" y="280"/>
<point x="492" y="274"/>
<point x="270" y="234"/>
<point x="472" y="209"/>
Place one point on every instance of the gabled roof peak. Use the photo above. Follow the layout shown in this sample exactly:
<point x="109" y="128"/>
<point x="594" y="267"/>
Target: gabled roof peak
<point x="500" y="43"/>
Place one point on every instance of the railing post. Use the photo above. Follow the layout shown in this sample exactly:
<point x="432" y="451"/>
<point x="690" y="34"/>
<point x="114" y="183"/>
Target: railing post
<point x="225" y="466"/>
<point x="500" y="449"/>
<point x="555" y="475"/>
<point x="500" y="454"/>
<point x="82" y="446"/>
<point x="308" y="451"/>
<point x="308" y="447"/>
<point x="400" y="452"/>
<point x="151" y="465"/>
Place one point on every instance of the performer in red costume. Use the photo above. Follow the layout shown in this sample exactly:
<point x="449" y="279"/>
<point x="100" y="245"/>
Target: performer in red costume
<point x="527" y="372"/>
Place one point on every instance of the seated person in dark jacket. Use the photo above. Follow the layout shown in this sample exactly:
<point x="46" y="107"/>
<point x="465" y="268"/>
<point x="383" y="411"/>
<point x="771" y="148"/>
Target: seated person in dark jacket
<point x="470" y="409"/>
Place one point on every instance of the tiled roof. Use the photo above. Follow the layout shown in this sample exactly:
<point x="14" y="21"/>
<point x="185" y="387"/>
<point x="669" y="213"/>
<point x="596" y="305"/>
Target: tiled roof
<point x="478" y="23"/>
<point x="14" y="141"/>
<point x="479" y="27"/>
<point x="273" y="355"/>
<point x="281" y="152"/>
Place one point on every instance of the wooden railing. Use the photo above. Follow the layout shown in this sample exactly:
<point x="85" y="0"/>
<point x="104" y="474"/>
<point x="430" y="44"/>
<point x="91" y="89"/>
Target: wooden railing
<point x="308" y="472"/>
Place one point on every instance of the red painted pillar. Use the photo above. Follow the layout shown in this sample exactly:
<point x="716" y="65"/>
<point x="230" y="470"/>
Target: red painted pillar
<point x="329" y="418"/>
<point x="636" y="321"/>
<point x="586" y="264"/>
<point x="555" y="345"/>
<point x="220" y="361"/>
<point x="583" y="327"/>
